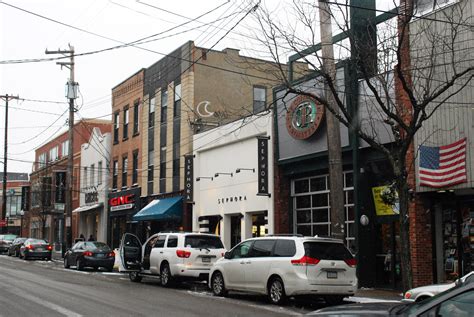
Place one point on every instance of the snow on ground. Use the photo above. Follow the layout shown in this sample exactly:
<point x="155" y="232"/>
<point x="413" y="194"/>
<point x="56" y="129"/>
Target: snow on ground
<point x="356" y="299"/>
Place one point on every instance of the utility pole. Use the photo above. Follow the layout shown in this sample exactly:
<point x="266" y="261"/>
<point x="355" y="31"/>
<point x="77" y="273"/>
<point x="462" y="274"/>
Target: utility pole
<point x="336" y="179"/>
<point x="5" y="160"/>
<point x="66" y="235"/>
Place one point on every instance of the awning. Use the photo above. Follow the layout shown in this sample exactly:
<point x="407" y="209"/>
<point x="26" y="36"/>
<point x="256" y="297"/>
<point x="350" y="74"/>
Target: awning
<point x="88" y="207"/>
<point x="161" y="209"/>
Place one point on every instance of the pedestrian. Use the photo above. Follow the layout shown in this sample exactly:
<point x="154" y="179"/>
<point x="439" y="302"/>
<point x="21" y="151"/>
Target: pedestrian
<point x="91" y="238"/>
<point x="82" y="237"/>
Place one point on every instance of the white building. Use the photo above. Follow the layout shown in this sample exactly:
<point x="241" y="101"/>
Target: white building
<point x="226" y="180"/>
<point x="95" y="158"/>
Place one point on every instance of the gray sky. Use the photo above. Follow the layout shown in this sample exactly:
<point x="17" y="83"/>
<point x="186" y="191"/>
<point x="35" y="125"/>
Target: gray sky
<point x="92" y="25"/>
<point x="26" y="35"/>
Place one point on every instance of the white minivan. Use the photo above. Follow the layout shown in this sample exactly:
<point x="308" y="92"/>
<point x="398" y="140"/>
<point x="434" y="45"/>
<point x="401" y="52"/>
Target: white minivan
<point x="281" y="266"/>
<point x="169" y="255"/>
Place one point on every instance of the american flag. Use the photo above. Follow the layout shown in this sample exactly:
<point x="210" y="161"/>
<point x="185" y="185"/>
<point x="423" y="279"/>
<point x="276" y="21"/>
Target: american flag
<point x="443" y="166"/>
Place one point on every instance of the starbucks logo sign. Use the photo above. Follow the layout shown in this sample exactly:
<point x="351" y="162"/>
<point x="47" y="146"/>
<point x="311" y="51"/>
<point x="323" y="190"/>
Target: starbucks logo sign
<point x="304" y="117"/>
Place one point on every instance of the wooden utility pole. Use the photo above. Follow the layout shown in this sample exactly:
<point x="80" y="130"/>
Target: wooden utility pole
<point x="5" y="161"/>
<point x="66" y="236"/>
<point x="336" y="179"/>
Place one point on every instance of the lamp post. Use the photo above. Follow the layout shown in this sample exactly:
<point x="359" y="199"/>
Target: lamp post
<point x="22" y="213"/>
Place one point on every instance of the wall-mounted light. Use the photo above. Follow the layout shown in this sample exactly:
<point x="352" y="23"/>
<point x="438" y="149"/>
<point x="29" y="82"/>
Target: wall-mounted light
<point x="204" y="177"/>
<point x="217" y="174"/>
<point x="245" y="169"/>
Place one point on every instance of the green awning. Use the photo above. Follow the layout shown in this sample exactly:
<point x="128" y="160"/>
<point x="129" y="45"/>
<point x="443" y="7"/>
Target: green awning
<point x="161" y="209"/>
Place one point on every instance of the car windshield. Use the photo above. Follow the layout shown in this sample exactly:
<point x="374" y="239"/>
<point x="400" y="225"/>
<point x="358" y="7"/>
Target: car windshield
<point x="36" y="241"/>
<point x="203" y="242"/>
<point x="96" y="246"/>
<point x="327" y="251"/>
<point x="19" y="240"/>
<point x="9" y="237"/>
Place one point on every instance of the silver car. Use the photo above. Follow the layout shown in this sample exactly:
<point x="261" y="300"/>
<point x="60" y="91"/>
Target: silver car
<point x="421" y="293"/>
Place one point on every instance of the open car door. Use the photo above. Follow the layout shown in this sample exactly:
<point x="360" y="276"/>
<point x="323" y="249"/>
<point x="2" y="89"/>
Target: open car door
<point x="130" y="253"/>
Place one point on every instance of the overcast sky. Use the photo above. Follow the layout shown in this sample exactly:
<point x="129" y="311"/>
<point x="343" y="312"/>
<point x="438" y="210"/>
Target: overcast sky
<point x="29" y="27"/>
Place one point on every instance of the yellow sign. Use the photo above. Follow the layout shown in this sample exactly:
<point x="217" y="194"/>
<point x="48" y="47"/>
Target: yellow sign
<point x="381" y="208"/>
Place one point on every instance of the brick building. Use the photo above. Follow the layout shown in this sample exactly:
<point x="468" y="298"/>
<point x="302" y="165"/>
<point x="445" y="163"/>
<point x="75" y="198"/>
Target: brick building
<point x="48" y="181"/>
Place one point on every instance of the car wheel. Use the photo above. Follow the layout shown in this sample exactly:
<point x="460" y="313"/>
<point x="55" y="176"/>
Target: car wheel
<point x="17" y="253"/>
<point x="135" y="277"/>
<point x="79" y="265"/>
<point x="8" y="253"/>
<point x="218" y="285"/>
<point x="334" y="300"/>
<point x="109" y="268"/>
<point x="66" y="263"/>
<point x="165" y="275"/>
<point x="25" y="257"/>
<point x="48" y="258"/>
<point x="276" y="291"/>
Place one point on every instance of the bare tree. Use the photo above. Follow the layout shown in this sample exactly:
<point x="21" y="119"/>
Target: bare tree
<point x="421" y="56"/>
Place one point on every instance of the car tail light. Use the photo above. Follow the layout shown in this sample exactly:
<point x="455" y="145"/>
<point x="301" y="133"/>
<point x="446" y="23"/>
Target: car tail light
<point x="29" y="247"/>
<point x="407" y="295"/>
<point x="183" y="254"/>
<point x="87" y="253"/>
<point x="49" y="247"/>
<point x="351" y="262"/>
<point x="305" y="261"/>
<point x="111" y="254"/>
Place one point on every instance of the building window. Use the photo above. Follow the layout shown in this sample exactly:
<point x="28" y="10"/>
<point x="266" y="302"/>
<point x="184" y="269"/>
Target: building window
<point x="116" y="127"/>
<point x="115" y="174"/>
<point x="259" y="99"/>
<point x="311" y="204"/>
<point x="177" y="101"/>
<point x="163" y="169"/>
<point x="92" y="178"/>
<point x="422" y="7"/>
<point x="65" y="148"/>
<point x="135" y="167"/>
<point x="53" y="154"/>
<point x="124" y="171"/>
<point x="136" y="116"/>
<point x="42" y="160"/>
<point x="99" y="173"/>
<point x="151" y="116"/>
<point x="84" y="175"/>
<point x="125" y="123"/>
<point x="164" y="104"/>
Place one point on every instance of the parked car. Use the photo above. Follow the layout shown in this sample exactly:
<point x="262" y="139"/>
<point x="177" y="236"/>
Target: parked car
<point x="6" y="241"/>
<point x="457" y="301"/>
<point x="36" y="248"/>
<point x="170" y="255"/>
<point x="424" y="292"/>
<point x="90" y="254"/>
<point x="281" y="266"/>
<point x="15" y="247"/>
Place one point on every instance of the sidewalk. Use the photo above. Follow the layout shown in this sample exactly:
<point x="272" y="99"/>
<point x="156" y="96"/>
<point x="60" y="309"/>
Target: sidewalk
<point x="380" y="294"/>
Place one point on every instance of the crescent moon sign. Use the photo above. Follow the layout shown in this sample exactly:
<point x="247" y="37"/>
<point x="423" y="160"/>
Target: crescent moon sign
<point x="206" y="113"/>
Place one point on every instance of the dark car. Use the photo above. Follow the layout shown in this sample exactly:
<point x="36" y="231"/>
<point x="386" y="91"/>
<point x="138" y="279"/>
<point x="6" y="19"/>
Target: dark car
<point x="90" y="254"/>
<point x="6" y="241"/>
<point x="15" y="247"/>
<point x="457" y="301"/>
<point x="36" y="248"/>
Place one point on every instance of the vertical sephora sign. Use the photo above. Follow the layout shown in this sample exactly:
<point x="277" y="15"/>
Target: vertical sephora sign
<point x="188" y="178"/>
<point x="263" y="166"/>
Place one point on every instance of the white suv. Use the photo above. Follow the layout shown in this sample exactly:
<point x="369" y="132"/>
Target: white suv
<point x="282" y="266"/>
<point x="170" y="255"/>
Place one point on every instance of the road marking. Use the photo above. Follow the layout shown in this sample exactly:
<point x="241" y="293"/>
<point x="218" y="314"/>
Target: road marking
<point x="45" y="303"/>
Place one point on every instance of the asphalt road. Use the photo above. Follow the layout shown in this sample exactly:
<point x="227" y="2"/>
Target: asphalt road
<point x="45" y="288"/>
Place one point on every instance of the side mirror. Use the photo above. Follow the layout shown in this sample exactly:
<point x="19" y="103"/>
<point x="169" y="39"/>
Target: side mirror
<point x="458" y="282"/>
<point x="227" y="255"/>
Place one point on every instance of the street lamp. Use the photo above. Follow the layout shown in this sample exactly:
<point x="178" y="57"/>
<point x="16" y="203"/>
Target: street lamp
<point x="22" y="213"/>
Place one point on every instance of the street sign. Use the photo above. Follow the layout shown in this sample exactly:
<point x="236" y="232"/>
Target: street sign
<point x="3" y="223"/>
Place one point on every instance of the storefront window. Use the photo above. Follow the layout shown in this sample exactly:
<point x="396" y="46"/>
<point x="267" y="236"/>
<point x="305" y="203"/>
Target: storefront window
<point x="312" y="207"/>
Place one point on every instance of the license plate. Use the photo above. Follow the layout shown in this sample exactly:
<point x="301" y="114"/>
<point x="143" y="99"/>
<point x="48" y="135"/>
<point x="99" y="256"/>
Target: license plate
<point x="331" y="274"/>
<point x="100" y="255"/>
<point x="39" y="249"/>
<point x="206" y="260"/>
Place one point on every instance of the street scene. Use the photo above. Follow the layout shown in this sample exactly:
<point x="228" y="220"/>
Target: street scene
<point x="237" y="158"/>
